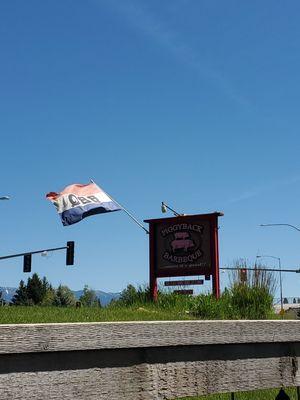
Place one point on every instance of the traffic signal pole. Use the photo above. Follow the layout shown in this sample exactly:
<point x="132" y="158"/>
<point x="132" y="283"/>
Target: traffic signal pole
<point x="28" y="254"/>
<point x="32" y="252"/>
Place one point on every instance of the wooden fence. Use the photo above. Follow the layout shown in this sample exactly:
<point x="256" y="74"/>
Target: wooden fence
<point x="146" y="360"/>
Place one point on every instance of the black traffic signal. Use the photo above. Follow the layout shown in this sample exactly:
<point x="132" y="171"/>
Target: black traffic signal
<point x="27" y="263"/>
<point x="70" y="253"/>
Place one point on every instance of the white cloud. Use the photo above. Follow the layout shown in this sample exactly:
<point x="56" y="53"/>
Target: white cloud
<point x="265" y="188"/>
<point x="141" y="18"/>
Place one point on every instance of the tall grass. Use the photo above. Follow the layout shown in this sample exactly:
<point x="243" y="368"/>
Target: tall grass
<point x="243" y="300"/>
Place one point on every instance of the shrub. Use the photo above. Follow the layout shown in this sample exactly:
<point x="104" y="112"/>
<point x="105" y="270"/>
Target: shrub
<point x="64" y="297"/>
<point x="89" y="298"/>
<point x="254" y="302"/>
<point x="131" y="296"/>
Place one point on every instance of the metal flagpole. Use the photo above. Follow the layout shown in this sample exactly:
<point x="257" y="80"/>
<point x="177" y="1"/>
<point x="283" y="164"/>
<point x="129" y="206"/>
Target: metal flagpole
<point x="126" y="211"/>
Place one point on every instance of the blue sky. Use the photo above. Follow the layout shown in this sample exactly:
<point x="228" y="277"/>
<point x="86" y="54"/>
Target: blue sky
<point x="192" y="102"/>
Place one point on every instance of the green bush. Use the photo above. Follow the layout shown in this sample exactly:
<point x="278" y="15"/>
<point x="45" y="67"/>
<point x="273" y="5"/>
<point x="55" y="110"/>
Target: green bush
<point x="251" y="302"/>
<point x="132" y="296"/>
<point x="140" y="296"/>
<point x="244" y="300"/>
<point x="239" y="302"/>
<point x="206" y="306"/>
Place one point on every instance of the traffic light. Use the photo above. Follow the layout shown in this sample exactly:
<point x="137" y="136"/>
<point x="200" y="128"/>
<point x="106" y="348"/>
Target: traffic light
<point x="27" y="263"/>
<point x="70" y="253"/>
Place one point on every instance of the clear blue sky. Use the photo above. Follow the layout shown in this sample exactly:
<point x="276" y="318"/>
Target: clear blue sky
<point x="192" y="102"/>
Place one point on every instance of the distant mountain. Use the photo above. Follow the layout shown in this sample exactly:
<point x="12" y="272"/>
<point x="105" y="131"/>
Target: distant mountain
<point x="105" y="298"/>
<point x="8" y="293"/>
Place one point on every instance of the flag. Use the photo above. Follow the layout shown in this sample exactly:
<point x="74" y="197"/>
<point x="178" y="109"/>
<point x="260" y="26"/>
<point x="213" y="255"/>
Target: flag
<point x="78" y="201"/>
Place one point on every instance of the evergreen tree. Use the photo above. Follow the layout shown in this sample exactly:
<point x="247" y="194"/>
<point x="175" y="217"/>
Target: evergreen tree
<point x="49" y="293"/>
<point x="2" y="301"/>
<point x="64" y="297"/>
<point x="21" y="297"/>
<point x="36" y="289"/>
<point x="89" y="298"/>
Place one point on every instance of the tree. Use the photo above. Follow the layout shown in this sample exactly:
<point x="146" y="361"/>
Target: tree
<point x="21" y="296"/>
<point x="131" y="295"/>
<point x="89" y="298"/>
<point x="49" y="293"/>
<point x="2" y="301"/>
<point x="36" y="289"/>
<point x="64" y="297"/>
<point x="36" y="292"/>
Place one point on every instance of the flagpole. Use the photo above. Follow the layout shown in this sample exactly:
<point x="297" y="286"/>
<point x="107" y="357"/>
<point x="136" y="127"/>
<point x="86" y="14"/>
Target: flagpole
<point x="126" y="211"/>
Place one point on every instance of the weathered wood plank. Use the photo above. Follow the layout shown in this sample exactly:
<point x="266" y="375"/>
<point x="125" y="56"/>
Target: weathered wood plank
<point x="146" y="361"/>
<point x="79" y="336"/>
<point x="148" y="381"/>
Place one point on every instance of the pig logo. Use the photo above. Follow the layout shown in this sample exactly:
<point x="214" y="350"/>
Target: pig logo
<point x="182" y="241"/>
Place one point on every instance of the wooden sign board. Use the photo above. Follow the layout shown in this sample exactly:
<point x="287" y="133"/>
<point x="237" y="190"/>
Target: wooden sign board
<point x="184" y="245"/>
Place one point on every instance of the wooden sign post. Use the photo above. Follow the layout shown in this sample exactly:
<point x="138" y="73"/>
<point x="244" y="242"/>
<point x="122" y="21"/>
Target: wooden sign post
<point x="185" y="245"/>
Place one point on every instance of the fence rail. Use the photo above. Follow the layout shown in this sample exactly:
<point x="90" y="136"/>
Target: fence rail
<point x="146" y="360"/>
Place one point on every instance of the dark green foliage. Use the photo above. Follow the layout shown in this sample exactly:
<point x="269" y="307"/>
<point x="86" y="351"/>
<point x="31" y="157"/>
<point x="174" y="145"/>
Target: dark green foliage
<point x="241" y="301"/>
<point x="21" y="297"/>
<point x="64" y="297"/>
<point x="131" y="295"/>
<point x="89" y="298"/>
<point x="206" y="306"/>
<point x="36" y="289"/>
<point x="36" y="292"/>
<point x="250" y="296"/>
<point x="2" y="301"/>
<point x="254" y="302"/>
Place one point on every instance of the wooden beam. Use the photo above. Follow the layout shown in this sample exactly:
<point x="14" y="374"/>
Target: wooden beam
<point x="146" y="360"/>
<point x="29" y="338"/>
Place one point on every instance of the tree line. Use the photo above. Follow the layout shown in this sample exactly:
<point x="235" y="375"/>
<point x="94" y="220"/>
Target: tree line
<point x="40" y="292"/>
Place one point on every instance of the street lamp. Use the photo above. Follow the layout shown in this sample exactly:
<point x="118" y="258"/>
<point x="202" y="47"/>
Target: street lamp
<point x="165" y="207"/>
<point x="280" y="279"/>
<point x="291" y="226"/>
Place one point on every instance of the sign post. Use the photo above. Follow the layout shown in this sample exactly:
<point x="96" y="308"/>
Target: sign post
<point x="184" y="245"/>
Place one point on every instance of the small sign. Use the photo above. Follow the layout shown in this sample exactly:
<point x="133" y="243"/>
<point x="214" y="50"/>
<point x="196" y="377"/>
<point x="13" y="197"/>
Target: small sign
<point x="184" y="291"/>
<point x="185" y="283"/>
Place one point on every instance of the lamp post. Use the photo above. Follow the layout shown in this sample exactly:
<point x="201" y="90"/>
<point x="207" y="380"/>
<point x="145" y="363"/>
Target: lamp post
<point x="291" y="226"/>
<point x="280" y="278"/>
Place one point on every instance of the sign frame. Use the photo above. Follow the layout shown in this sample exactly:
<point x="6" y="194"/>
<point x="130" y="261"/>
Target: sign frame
<point x="213" y="270"/>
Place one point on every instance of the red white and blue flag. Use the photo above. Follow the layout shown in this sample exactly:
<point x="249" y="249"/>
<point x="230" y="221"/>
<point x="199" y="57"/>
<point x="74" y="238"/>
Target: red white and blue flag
<point x="78" y="201"/>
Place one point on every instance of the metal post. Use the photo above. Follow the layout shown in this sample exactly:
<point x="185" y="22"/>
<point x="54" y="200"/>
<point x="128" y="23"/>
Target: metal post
<point x="125" y="210"/>
<point x="152" y="277"/>
<point x="280" y="282"/>
<point x="215" y="263"/>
